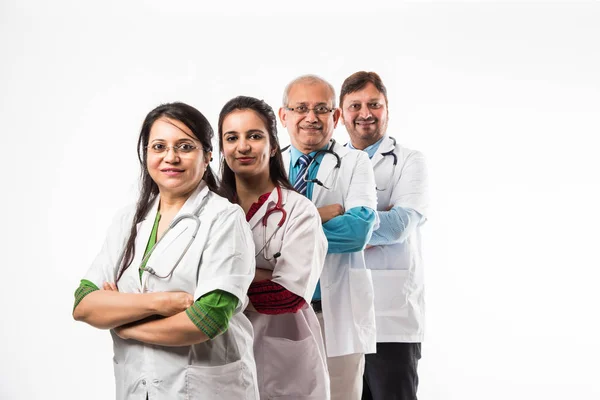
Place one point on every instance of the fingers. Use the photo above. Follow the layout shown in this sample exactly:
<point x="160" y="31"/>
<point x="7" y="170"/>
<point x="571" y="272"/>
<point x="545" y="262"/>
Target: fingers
<point x="110" y="286"/>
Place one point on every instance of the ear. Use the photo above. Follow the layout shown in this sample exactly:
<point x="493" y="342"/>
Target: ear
<point x="336" y="116"/>
<point x="207" y="157"/>
<point x="283" y="116"/>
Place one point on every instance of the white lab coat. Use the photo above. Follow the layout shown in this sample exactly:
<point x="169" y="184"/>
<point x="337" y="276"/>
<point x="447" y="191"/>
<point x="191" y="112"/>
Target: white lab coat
<point x="220" y="257"/>
<point x="397" y="269"/>
<point x="346" y="285"/>
<point x="289" y="349"/>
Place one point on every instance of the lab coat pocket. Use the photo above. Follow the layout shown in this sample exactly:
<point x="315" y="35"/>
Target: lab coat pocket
<point x="225" y="382"/>
<point x="292" y="369"/>
<point x="361" y="291"/>
<point x="390" y="292"/>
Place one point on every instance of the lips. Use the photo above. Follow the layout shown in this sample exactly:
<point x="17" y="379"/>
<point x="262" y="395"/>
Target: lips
<point x="172" y="171"/>
<point x="245" y="160"/>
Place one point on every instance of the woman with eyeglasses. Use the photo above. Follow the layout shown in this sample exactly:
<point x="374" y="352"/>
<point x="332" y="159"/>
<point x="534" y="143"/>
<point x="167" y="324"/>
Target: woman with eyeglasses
<point x="290" y="249"/>
<point x="171" y="280"/>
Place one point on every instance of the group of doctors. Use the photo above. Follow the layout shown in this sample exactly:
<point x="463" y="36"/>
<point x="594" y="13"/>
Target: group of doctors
<point x="297" y="275"/>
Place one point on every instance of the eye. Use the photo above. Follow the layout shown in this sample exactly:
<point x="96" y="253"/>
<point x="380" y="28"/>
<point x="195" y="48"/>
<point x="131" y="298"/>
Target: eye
<point x="301" y="109"/>
<point x="158" y="147"/>
<point x="321" y="109"/>
<point x="375" y="105"/>
<point x="354" y="107"/>
<point x="230" y="138"/>
<point x="186" y="147"/>
<point x="255" y="136"/>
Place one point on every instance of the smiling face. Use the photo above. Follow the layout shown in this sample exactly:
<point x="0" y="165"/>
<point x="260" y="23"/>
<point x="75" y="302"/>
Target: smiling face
<point x="310" y="131"/>
<point x="365" y="116"/>
<point x="246" y="147"/>
<point x="175" y="159"/>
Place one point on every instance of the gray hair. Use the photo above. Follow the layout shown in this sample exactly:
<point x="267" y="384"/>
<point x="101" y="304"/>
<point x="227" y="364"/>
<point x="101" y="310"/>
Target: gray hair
<point x="311" y="80"/>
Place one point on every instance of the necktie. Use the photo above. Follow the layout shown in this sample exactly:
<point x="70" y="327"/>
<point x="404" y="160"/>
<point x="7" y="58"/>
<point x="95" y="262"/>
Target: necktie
<point x="300" y="183"/>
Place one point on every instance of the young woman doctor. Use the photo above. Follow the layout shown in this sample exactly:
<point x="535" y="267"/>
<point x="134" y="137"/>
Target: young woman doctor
<point x="290" y="249"/>
<point x="175" y="270"/>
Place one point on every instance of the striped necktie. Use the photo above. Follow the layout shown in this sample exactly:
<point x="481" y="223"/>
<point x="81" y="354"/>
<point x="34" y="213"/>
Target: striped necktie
<point x="300" y="183"/>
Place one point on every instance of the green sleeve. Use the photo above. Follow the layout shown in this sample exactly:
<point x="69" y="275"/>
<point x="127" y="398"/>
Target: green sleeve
<point x="85" y="287"/>
<point x="211" y="313"/>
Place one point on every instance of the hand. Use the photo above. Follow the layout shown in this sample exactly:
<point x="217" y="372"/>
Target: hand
<point x="171" y="303"/>
<point x="110" y="287"/>
<point x="330" y="211"/>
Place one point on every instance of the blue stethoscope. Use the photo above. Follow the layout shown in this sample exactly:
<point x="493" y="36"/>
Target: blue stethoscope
<point x="277" y="208"/>
<point x="395" y="162"/>
<point x="195" y="216"/>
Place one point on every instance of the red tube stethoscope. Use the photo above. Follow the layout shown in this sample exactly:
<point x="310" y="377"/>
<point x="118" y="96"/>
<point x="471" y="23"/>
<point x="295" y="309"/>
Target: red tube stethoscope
<point x="278" y="208"/>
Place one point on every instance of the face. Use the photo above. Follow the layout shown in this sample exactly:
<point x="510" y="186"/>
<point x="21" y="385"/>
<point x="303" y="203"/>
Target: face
<point x="309" y="132"/>
<point x="246" y="146"/>
<point x="365" y="115"/>
<point x="176" y="172"/>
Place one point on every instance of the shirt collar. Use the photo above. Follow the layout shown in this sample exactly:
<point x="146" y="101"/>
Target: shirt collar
<point x="296" y="154"/>
<point x="370" y="150"/>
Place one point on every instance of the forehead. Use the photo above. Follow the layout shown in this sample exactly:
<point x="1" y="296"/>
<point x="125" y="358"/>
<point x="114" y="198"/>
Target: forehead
<point x="167" y="128"/>
<point x="243" y="120"/>
<point x="368" y="93"/>
<point x="310" y="93"/>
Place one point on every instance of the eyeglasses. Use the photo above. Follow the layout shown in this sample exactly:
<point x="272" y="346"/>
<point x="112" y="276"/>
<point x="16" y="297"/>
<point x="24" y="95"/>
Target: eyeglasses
<point x="303" y="110"/>
<point x="182" y="148"/>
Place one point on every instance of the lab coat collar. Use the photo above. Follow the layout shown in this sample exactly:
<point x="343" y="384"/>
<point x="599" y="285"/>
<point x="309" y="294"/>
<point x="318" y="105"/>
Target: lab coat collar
<point x="326" y="170"/>
<point x="386" y="145"/>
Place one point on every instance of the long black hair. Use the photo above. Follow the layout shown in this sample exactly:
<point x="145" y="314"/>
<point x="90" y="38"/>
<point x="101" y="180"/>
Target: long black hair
<point x="277" y="172"/>
<point x="200" y="127"/>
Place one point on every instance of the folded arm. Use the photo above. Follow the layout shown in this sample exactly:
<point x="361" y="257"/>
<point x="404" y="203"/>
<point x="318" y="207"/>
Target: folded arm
<point x="351" y="231"/>
<point x="395" y="226"/>
<point x="207" y="318"/>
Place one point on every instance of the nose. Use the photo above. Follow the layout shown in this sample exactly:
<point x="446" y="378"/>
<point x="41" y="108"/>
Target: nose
<point x="311" y="116"/>
<point x="243" y="146"/>
<point x="364" y="112"/>
<point x="171" y="155"/>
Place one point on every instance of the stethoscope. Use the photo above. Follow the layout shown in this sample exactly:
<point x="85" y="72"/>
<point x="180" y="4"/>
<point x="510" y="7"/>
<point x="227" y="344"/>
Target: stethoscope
<point x="329" y="150"/>
<point x="395" y="157"/>
<point x="195" y="216"/>
<point x="278" y="208"/>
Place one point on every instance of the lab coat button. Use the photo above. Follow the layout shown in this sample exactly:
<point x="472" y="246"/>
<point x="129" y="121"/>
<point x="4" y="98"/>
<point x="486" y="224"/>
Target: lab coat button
<point x="144" y="382"/>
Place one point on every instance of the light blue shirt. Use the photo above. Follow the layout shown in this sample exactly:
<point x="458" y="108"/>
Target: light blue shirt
<point x="345" y="233"/>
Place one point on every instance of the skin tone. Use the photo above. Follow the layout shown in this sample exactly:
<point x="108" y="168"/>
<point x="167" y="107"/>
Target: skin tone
<point x="177" y="174"/>
<point x="365" y="116"/>
<point x="247" y="151"/>
<point x="311" y="132"/>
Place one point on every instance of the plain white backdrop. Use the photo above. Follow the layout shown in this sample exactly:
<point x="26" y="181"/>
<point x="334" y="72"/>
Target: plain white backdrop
<point x="503" y="98"/>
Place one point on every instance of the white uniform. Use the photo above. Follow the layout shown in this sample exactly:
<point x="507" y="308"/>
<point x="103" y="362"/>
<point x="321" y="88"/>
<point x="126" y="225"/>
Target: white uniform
<point x="220" y="257"/>
<point x="398" y="268"/>
<point x="346" y="285"/>
<point x="289" y="351"/>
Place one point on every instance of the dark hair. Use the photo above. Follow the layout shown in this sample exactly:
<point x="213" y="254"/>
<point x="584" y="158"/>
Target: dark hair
<point x="201" y="129"/>
<point x="277" y="172"/>
<point x="358" y="81"/>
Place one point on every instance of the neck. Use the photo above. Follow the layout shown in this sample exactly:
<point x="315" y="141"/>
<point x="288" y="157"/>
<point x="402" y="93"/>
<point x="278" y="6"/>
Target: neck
<point x="170" y="203"/>
<point x="361" y="144"/>
<point x="249" y="189"/>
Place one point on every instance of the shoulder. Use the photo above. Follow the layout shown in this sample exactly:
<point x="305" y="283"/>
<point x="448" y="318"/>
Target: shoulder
<point x="409" y="155"/>
<point x="221" y="207"/>
<point x="298" y="205"/>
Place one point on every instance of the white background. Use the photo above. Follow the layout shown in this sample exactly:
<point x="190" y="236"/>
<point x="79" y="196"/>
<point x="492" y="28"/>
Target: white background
<point x="503" y="98"/>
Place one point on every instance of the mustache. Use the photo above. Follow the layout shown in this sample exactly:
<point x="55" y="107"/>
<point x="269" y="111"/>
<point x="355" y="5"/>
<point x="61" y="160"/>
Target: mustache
<point x="370" y="119"/>
<point x="312" y="126"/>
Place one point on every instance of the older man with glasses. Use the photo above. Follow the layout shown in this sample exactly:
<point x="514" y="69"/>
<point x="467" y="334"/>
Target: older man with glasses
<point x="341" y="183"/>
